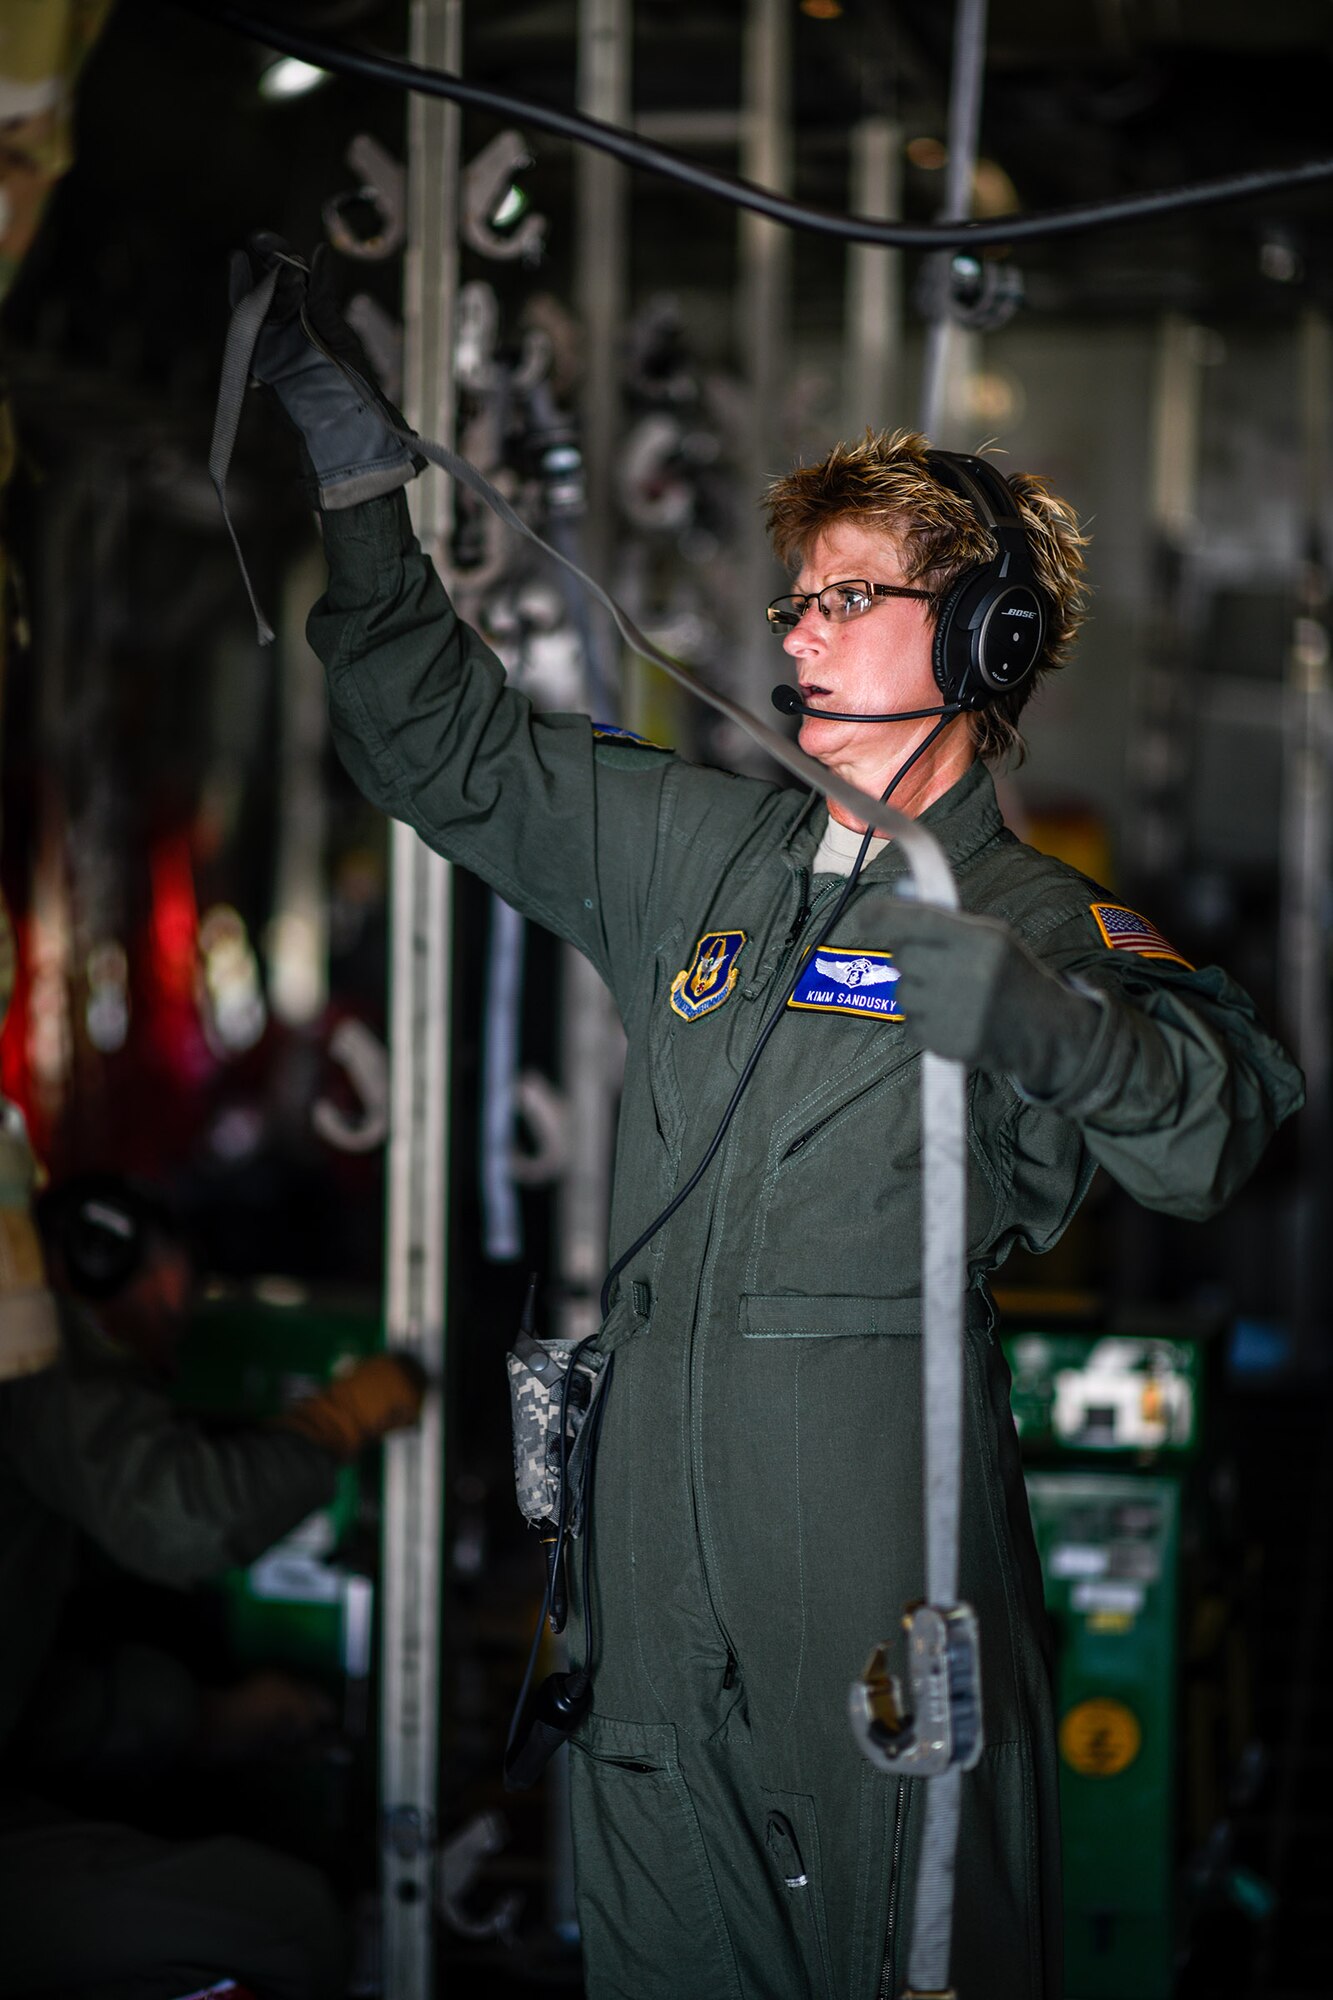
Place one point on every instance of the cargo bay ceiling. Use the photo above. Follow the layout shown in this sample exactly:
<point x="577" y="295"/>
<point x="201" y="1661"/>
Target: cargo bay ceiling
<point x="1085" y="100"/>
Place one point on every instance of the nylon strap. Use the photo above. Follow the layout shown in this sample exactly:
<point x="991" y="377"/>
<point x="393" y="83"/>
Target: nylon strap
<point x="943" y="1125"/>
<point x="932" y="1911"/>
<point x="242" y="334"/>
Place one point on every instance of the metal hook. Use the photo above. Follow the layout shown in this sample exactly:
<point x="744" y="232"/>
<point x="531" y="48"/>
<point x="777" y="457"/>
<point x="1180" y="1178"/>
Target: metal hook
<point x="457" y="1866"/>
<point x="364" y="1058"/>
<point x="487" y="183"/>
<point x="384" y="187"/>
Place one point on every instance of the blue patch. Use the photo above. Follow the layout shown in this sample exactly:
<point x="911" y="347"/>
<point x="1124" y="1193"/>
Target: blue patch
<point x="611" y="732"/>
<point x="710" y="975"/>
<point x="840" y="979"/>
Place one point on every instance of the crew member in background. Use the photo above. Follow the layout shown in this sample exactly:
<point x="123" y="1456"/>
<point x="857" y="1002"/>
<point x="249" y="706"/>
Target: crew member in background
<point x="43" y="46"/>
<point x="92" y="1450"/>
<point x="757" y="1508"/>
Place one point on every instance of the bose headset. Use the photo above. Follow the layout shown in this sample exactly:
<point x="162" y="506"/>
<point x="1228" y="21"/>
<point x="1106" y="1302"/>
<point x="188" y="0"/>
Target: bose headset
<point x="991" y="625"/>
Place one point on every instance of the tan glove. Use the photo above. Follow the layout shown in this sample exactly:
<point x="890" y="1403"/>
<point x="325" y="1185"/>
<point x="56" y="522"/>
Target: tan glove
<point x="383" y="1393"/>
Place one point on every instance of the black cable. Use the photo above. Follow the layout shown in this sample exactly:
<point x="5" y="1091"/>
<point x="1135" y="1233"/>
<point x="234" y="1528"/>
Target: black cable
<point x="585" y="1511"/>
<point x="634" y="152"/>
<point x="520" y="1706"/>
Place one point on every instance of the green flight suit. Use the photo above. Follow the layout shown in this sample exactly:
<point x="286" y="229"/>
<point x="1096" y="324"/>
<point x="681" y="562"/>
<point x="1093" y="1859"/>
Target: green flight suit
<point x="92" y="1448"/>
<point x="757" y="1511"/>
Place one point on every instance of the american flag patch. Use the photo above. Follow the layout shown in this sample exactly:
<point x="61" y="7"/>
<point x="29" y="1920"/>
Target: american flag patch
<point x="1126" y="930"/>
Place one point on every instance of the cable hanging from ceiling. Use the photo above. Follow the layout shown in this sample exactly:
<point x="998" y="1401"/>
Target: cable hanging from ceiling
<point x="627" y="147"/>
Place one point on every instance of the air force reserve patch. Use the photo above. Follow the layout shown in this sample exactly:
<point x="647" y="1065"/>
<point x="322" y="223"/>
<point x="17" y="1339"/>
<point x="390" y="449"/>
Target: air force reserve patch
<point x="843" y="980"/>
<point x="1125" y="930"/>
<point x="710" y="976"/>
<point x="611" y="732"/>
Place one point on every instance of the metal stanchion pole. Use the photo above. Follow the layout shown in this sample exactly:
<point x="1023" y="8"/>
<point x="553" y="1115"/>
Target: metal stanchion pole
<point x="874" y="332"/>
<point x="419" y="1086"/>
<point x="592" y="1045"/>
<point x="947" y="356"/>
<point x="1307" y="828"/>
<point x="765" y="264"/>
<point x="601" y="192"/>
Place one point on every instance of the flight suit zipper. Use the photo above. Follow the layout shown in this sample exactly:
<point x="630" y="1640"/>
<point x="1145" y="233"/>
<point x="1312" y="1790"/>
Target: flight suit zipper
<point x="811" y="899"/>
<point x="808" y="901"/>
<point x="886" y="1978"/>
<point x="802" y="919"/>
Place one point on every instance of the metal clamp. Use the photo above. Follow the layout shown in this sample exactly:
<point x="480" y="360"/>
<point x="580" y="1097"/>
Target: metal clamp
<point x="979" y="292"/>
<point x="459" y="1864"/>
<point x="938" y="1726"/>
<point x="364" y="1059"/>
<point x="384" y="189"/>
<point x="489" y="192"/>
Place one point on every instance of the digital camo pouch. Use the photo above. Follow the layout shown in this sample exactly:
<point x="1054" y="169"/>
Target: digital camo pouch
<point x="537" y="1372"/>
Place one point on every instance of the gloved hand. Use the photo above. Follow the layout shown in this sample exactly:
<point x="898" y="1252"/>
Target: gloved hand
<point x="970" y="989"/>
<point x="383" y="1393"/>
<point x="350" y="447"/>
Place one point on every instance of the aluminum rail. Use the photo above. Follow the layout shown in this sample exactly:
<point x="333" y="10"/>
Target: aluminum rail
<point x="418" y="1160"/>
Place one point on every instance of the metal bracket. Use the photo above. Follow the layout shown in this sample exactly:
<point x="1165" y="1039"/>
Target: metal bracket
<point x="384" y="187"/>
<point x="979" y="292"/>
<point x="409" y="1831"/>
<point x="456" y="1869"/>
<point x="487" y="183"/>
<point x="365" y="1060"/>
<point x="382" y="337"/>
<point x="938" y="1726"/>
<point x="545" y="1111"/>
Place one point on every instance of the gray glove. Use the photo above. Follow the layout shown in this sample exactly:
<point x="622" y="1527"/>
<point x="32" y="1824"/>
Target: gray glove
<point x="346" y="426"/>
<point x="971" y="990"/>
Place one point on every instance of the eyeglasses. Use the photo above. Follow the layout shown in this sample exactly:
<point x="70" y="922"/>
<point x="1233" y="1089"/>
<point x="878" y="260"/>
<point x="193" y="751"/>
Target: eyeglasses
<point x="837" y="602"/>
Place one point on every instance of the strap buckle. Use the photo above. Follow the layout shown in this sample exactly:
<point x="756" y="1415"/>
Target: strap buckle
<point x="937" y="1724"/>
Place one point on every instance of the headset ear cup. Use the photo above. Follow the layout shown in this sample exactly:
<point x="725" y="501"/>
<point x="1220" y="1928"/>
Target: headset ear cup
<point x="951" y="652"/>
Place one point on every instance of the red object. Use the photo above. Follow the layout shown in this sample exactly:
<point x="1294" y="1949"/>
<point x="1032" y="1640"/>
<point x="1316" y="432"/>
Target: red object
<point x="15" y="1077"/>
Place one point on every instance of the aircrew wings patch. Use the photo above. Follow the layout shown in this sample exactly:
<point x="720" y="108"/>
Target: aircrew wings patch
<point x="1126" y="930"/>
<point x="848" y="980"/>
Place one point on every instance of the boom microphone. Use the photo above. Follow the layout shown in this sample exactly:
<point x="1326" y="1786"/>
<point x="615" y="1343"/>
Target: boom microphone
<point x="787" y="700"/>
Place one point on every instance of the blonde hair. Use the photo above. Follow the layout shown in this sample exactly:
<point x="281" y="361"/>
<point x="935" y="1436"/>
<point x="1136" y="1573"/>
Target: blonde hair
<point x="885" y="482"/>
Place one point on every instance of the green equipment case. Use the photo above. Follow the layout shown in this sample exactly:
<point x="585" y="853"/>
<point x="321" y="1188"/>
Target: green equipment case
<point x="1109" y="1425"/>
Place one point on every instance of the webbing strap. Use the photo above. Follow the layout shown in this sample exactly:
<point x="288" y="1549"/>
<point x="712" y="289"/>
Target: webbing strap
<point x="932" y="1911"/>
<point x="944" y="1190"/>
<point x="242" y="334"/>
<point x="943" y="1124"/>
